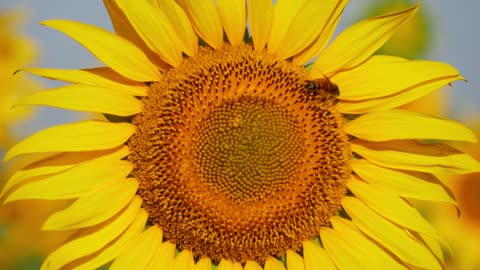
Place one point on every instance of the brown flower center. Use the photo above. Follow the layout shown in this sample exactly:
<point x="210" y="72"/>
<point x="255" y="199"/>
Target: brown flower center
<point x="236" y="158"/>
<point x="247" y="149"/>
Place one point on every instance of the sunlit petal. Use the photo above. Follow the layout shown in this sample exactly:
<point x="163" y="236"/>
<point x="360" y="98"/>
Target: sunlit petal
<point x="311" y="21"/>
<point x="415" y="156"/>
<point x="234" y="18"/>
<point x="349" y="249"/>
<point x="86" y="98"/>
<point x="139" y="252"/>
<point x="325" y="36"/>
<point x="95" y="207"/>
<point x="115" y="51"/>
<point x="92" y="239"/>
<point x="294" y="261"/>
<point x="400" y="124"/>
<point x="112" y="250"/>
<point x="391" y="207"/>
<point x="183" y="261"/>
<point x="358" y="42"/>
<point x="80" y="136"/>
<point x="101" y="76"/>
<point x="181" y="23"/>
<point x="316" y="257"/>
<point x="273" y="264"/>
<point x="251" y="265"/>
<point x="153" y="26"/>
<point x="260" y="16"/>
<point x="205" y="20"/>
<point x="371" y="81"/>
<point x="389" y="235"/>
<point x="61" y="162"/>
<point x="204" y="264"/>
<point x="415" y="185"/>
<point x="284" y="13"/>
<point x="75" y="182"/>
<point x="163" y="257"/>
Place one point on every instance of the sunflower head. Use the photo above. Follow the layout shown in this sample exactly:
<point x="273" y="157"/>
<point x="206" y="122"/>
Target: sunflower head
<point x="222" y="149"/>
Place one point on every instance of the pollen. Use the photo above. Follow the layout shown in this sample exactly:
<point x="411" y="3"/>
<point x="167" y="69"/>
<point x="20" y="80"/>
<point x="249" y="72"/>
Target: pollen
<point x="236" y="158"/>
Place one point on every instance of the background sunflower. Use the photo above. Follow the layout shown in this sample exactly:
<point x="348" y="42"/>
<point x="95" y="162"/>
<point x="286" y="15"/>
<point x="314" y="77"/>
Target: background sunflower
<point x="22" y="244"/>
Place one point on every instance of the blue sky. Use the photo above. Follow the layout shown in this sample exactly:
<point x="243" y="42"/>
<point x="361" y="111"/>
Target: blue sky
<point x="456" y="41"/>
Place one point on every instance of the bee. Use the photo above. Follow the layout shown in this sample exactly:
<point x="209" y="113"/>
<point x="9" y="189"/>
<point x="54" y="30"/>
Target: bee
<point x="322" y="84"/>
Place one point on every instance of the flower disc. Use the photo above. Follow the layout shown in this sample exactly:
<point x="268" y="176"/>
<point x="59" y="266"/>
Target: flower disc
<point x="236" y="158"/>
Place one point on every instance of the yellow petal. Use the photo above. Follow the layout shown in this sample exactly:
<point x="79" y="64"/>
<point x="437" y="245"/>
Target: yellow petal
<point x="140" y="251"/>
<point x="415" y="156"/>
<point x="75" y="182"/>
<point x="326" y="34"/>
<point x="234" y="18"/>
<point x="113" y="50"/>
<point x="358" y="42"/>
<point x="205" y="19"/>
<point x="390" y="78"/>
<point x="183" y="261"/>
<point x="294" y="261"/>
<point x="307" y="25"/>
<point x="349" y="249"/>
<point x="400" y="124"/>
<point x="260" y="16"/>
<point x="153" y="26"/>
<point x="86" y="98"/>
<point x="79" y="136"/>
<point x="284" y="12"/>
<point x="163" y="257"/>
<point x="273" y="264"/>
<point x="181" y="24"/>
<point x="415" y="185"/>
<point x="203" y="264"/>
<point x="251" y="265"/>
<point x="28" y="159"/>
<point x="124" y="28"/>
<point x="391" y="207"/>
<point x="112" y="250"/>
<point x="435" y="246"/>
<point x="92" y="239"/>
<point x="95" y="207"/>
<point x="61" y="162"/>
<point x="102" y="76"/>
<point x="229" y="265"/>
<point x="392" y="237"/>
<point x="394" y="101"/>
<point x="316" y="257"/>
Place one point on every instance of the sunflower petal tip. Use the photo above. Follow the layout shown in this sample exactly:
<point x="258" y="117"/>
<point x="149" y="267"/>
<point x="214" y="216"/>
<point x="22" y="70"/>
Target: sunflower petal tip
<point x="48" y="22"/>
<point x="17" y="71"/>
<point x="8" y="156"/>
<point x="8" y="199"/>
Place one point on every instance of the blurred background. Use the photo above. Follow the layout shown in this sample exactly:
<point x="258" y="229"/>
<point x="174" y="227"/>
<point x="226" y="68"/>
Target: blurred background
<point x="444" y="30"/>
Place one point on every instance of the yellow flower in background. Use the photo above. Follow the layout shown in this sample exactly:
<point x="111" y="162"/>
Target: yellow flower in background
<point x="22" y="243"/>
<point x="462" y="231"/>
<point x="222" y="149"/>
<point x="16" y="52"/>
<point x="413" y="38"/>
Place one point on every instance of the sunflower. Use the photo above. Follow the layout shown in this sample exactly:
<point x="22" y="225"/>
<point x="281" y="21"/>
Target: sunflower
<point x="16" y="51"/>
<point x="225" y="148"/>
